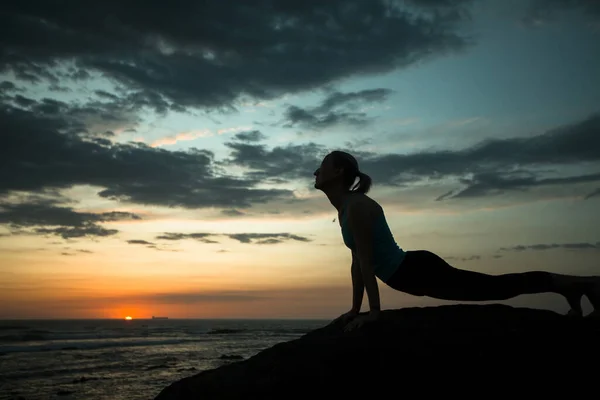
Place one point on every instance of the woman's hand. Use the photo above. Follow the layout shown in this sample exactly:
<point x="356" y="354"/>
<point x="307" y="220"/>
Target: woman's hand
<point x="361" y="320"/>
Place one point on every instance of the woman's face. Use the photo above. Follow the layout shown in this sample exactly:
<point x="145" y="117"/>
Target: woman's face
<point x="327" y="174"/>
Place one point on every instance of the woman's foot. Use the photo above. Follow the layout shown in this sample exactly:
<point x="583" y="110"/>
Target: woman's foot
<point x="572" y="288"/>
<point x="592" y="292"/>
<point x="574" y="301"/>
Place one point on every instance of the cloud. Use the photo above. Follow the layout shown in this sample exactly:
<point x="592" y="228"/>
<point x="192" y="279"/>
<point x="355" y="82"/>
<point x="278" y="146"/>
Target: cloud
<point x="148" y="244"/>
<point x="77" y="232"/>
<point x="202" y="237"/>
<point x="552" y="246"/>
<point x="250" y="136"/>
<point x="7" y="86"/>
<point x="256" y="238"/>
<point x="541" y="11"/>
<point x="337" y="108"/>
<point x="266" y="238"/>
<point x="47" y="217"/>
<point x="232" y="213"/>
<point x="213" y="54"/>
<point x="491" y="167"/>
<point x="276" y="165"/>
<point x="42" y="151"/>
<point x="498" y="165"/>
<point x="94" y="118"/>
<point x="493" y="183"/>
<point x="138" y="241"/>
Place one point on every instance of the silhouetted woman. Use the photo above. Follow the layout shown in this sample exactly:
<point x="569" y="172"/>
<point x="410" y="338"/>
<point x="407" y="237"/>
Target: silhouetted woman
<point x="420" y="272"/>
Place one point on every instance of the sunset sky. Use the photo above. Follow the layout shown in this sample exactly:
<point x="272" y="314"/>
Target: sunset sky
<point x="158" y="160"/>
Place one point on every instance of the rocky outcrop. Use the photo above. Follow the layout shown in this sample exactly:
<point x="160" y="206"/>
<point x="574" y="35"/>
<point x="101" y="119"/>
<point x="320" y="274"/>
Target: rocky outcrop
<point x="457" y="350"/>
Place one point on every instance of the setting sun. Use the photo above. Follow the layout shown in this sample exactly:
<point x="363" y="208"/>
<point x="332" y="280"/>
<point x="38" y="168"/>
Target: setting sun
<point x="128" y="317"/>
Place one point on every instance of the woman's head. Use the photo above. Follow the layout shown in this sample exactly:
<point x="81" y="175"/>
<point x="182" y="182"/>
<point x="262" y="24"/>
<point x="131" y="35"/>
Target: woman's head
<point x="340" y="169"/>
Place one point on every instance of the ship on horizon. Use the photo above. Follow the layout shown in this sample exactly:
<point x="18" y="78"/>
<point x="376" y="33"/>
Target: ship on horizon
<point x="153" y="317"/>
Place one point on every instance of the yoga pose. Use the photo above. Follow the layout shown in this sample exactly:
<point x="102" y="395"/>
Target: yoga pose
<point x="420" y="272"/>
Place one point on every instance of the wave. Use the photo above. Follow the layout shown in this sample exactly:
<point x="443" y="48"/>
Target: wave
<point x="225" y="331"/>
<point x="31" y="336"/>
<point x="23" y="337"/>
<point x="42" y="335"/>
<point x="12" y="327"/>
<point x="68" y="345"/>
<point x="272" y="331"/>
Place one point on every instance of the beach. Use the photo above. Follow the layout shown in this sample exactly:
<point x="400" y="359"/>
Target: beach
<point x="119" y="359"/>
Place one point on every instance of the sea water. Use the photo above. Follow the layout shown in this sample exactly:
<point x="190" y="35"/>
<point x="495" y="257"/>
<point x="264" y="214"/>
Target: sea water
<point x="119" y="359"/>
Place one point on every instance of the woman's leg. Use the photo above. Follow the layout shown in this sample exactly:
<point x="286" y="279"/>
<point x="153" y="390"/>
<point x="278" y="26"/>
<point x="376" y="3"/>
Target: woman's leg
<point x="426" y="274"/>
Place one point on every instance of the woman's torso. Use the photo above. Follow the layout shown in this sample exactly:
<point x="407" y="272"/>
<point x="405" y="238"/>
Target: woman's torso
<point x="387" y="255"/>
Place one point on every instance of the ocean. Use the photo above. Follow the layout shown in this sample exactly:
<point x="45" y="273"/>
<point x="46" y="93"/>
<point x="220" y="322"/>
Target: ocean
<point x="119" y="359"/>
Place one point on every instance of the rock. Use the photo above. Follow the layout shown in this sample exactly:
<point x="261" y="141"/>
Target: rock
<point x="481" y="350"/>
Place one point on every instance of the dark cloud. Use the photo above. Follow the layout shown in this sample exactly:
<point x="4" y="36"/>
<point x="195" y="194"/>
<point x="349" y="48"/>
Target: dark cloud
<point x="92" y="118"/>
<point x="209" y="54"/>
<point x="46" y="212"/>
<point x="232" y="213"/>
<point x="201" y="237"/>
<point x="252" y="136"/>
<point x="148" y="244"/>
<point x="77" y="232"/>
<point x="48" y="217"/>
<point x="256" y="238"/>
<point x="138" y="241"/>
<point x="336" y="109"/>
<point x="494" y="183"/>
<point x="552" y="246"/>
<point x="7" y="86"/>
<point x="276" y="165"/>
<point x="42" y="150"/>
<point x="540" y="11"/>
<point x="498" y="165"/>
<point x="266" y="238"/>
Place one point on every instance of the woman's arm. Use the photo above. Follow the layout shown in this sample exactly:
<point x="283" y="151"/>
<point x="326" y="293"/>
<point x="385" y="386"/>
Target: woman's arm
<point x="358" y="286"/>
<point x="360" y="222"/>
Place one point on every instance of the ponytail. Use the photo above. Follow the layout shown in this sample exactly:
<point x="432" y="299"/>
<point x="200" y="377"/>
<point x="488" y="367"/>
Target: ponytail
<point x="364" y="183"/>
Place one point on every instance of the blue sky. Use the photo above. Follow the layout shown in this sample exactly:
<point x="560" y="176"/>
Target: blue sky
<point x="480" y="131"/>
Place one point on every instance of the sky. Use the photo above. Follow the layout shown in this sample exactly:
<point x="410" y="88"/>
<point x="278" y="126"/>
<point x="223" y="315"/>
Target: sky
<point x="159" y="160"/>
